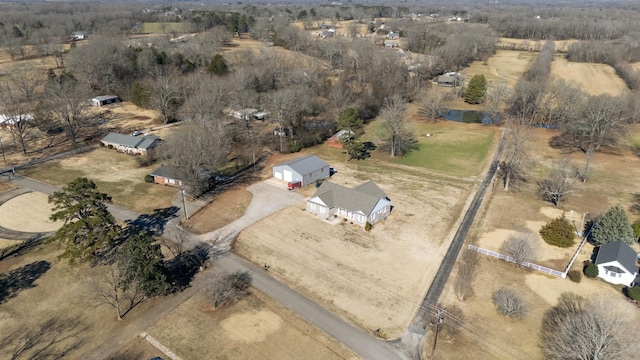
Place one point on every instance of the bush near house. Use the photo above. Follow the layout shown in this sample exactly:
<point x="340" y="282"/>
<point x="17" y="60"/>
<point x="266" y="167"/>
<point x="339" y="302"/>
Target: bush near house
<point x="591" y="271"/>
<point x="558" y="232"/>
<point x="634" y="293"/>
<point x="575" y="276"/>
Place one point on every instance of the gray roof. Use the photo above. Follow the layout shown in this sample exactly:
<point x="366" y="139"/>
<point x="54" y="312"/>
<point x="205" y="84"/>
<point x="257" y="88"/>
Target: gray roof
<point x="105" y="97"/>
<point x="362" y="198"/>
<point x="144" y="142"/>
<point x="305" y="164"/>
<point x="166" y="171"/>
<point x="618" y="251"/>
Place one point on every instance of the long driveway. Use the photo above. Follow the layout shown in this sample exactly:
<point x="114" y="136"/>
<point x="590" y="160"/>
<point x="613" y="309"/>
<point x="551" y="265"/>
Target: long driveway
<point x="267" y="199"/>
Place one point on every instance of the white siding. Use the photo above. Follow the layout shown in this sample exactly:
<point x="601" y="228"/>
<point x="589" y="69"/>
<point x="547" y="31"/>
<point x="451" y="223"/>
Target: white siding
<point x="277" y="174"/>
<point x="288" y="175"/>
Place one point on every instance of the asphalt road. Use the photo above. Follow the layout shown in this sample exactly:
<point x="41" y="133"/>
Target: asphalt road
<point x="362" y="343"/>
<point x="421" y="320"/>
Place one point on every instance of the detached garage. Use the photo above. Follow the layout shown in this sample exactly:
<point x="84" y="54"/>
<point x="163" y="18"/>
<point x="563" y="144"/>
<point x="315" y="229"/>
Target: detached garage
<point x="306" y="170"/>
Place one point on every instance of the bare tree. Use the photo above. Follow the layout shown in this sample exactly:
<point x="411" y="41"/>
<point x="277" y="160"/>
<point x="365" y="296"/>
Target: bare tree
<point x="588" y="328"/>
<point x="497" y="94"/>
<point x="67" y="105"/>
<point x="165" y="96"/>
<point x="559" y="183"/>
<point x="467" y="270"/>
<point x="18" y="101"/>
<point x="515" y="156"/>
<point x="205" y="99"/>
<point x="509" y="303"/>
<point x="433" y="102"/>
<point x="396" y="133"/>
<point x="115" y="290"/>
<point x="229" y="287"/>
<point x="520" y="247"/>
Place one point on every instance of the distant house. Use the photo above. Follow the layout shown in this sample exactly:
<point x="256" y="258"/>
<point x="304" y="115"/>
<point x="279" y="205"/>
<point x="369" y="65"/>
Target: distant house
<point x="281" y="131"/>
<point x="335" y="140"/>
<point x="78" y="35"/>
<point x="7" y="121"/>
<point x="361" y="204"/>
<point x="327" y="33"/>
<point x="305" y="169"/>
<point x="247" y="114"/>
<point x="393" y="35"/>
<point x="166" y="175"/>
<point x="104" y="100"/>
<point x="391" y="44"/>
<point x="131" y="144"/>
<point x="616" y="263"/>
<point x="450" y="79"/>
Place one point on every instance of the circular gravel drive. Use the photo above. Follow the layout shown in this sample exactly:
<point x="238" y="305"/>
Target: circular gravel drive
<point x="29" y="213"/>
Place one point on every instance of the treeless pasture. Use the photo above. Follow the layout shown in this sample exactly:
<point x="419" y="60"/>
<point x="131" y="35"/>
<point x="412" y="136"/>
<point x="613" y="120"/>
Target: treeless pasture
<point x="28" y="212"/>
<point x="594" y="79"/>
<point x="505" y="65"/>
<point x="252" y="328"/>
<point x="224" y="209"/>
<point x="532" y="45"/>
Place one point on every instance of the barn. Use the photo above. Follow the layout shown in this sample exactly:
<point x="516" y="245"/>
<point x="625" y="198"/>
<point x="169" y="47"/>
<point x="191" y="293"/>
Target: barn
<point x="305" y="169"/>
<point x="104" y="100"/>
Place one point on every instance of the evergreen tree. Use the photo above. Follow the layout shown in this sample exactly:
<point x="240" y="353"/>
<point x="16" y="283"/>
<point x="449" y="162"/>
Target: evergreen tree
<point x="613" y="226"/>
<point x="476" y="90"/>
<point x="140" y="258"/>
<point x="218" y="66"/>
<point x="349" y="119"/>
<point x="89" y="230"/>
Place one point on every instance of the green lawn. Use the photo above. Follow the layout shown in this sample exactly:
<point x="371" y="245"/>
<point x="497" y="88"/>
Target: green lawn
<point x="459" y="150"/>
<point x="164" y="27"/>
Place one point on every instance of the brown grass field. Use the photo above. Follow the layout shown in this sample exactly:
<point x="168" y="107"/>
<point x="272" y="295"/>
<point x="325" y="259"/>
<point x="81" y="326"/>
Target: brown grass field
<point x="532" y="45"/>
<point x="611" y="183"/>
<point x="594" y="79"/>
<point x="226" y="207"/>
<point x="28" y="212"/>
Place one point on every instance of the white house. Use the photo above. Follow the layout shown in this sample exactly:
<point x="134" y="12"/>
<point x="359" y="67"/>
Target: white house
<point x="361" y="204"/>
<point x="616" y="263"/>
<point x="104" y="100"/>
<point x="305" y="169"/>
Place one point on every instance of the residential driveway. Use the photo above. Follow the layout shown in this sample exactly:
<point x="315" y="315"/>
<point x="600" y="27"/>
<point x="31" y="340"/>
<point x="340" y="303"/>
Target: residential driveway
<point x="267" y="199"/>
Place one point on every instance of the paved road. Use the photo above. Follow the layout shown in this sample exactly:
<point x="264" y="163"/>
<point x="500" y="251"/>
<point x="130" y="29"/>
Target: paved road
<point x="421" y="320"/>
<point x="362" y="343"/>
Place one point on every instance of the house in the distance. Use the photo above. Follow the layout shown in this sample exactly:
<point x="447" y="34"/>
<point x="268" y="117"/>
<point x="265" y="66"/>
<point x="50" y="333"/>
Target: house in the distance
<point x="616" y="263"/>
<point x="104" y="100"/>
<point x="304" y="170"/>
<point x="393" y="35"/>
<point x="450" y="79"/>
<point x="166" y="175"/>
<point x="361" y="204"/>
<point x="335" y="140"/>
<point x="141" y="145"/>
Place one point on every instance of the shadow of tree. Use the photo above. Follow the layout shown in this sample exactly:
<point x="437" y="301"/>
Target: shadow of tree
<point x="183" y="267"/>
<point x="21" y="279"/>
<point x="154" y="223"/>
<point x="54" y="339"/>
<point x="26" y="245"/>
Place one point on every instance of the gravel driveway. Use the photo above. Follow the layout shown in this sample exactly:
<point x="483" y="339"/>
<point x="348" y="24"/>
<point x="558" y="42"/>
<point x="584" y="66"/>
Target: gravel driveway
<point x="267" y="199"/>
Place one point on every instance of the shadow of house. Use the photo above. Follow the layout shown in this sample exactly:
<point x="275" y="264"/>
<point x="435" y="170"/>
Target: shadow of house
<point x="21" y="279"/>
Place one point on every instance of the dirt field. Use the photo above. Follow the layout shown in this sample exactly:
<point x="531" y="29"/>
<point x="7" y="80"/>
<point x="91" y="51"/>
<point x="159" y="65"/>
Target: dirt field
<point x="594" y="79"/>
<point x="255" y="327"/>
<point x="28" y="212"/>
<point x="612" y="182"/>
<point x="359" y="274"/>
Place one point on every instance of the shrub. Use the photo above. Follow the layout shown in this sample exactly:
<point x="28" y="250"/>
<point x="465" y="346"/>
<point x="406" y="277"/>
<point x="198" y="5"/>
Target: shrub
<point x="367" y="226"/>
<point x="509" y="303"/>
<point x="575" y="276"/>
<point x="101" y="144"/>
<point x="110" y="146"/>
<point x="143" y="160"/>
<point x="634" y="293"/>
<point x="636" y="228"/>
<point x="591" y="271"/>
<point x="148" y="178"/>
<point x="558" y="232"/>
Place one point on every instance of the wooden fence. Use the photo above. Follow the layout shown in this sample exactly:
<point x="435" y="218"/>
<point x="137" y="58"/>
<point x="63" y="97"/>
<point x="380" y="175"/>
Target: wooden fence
<point x="543" y="269"/>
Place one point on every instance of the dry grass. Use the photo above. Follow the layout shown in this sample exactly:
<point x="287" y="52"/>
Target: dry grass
<point x="28" y="212"/>
<point x="533" y="45"/>
<point x="225" y="208"/>
<point x="4" y="243"/>
<point x="252" y="328"/>
<point x="506" y="65"/>
<point x="594" y="79"/>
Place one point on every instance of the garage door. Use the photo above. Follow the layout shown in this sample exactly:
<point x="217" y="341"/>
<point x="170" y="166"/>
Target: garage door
<point x="277" y="175"/>
<point x="288" y="175"/>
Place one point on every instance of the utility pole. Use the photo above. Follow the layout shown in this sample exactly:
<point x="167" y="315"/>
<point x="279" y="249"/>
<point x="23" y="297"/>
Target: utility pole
<point x="2" y="147"/>
<point x="440" y="316"/>
<point x="184" y="205"/>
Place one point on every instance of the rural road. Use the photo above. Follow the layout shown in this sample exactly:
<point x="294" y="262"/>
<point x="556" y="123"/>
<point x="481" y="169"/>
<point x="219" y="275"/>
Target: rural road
<point x="421" y="320"/>
<point x="267" y="199"/>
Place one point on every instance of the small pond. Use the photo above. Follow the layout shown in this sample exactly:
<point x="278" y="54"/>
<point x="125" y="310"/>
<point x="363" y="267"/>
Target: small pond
<point x="469" y="116"/>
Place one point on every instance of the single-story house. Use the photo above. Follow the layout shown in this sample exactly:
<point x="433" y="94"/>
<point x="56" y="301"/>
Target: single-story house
<point x="616" y="263"/>
<point x="8" y="121"/>
<point x="361" y="204"/>
<point x="104" y="100"/>
<point x="78" y="35"/>
<point x="450" y="79"/>
<point x="128" y="144"/>
<point x="327" y="33"/>
<point x="166" y="175"/>
<point x="335" y="139"/>
<point x="391" y="44"/>
<point x="393" y="36"/>
<point x="305" y="169"/>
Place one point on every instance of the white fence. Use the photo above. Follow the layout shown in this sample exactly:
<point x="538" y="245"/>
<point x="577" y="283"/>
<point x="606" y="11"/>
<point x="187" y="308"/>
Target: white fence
<point x="546" y="270"/>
